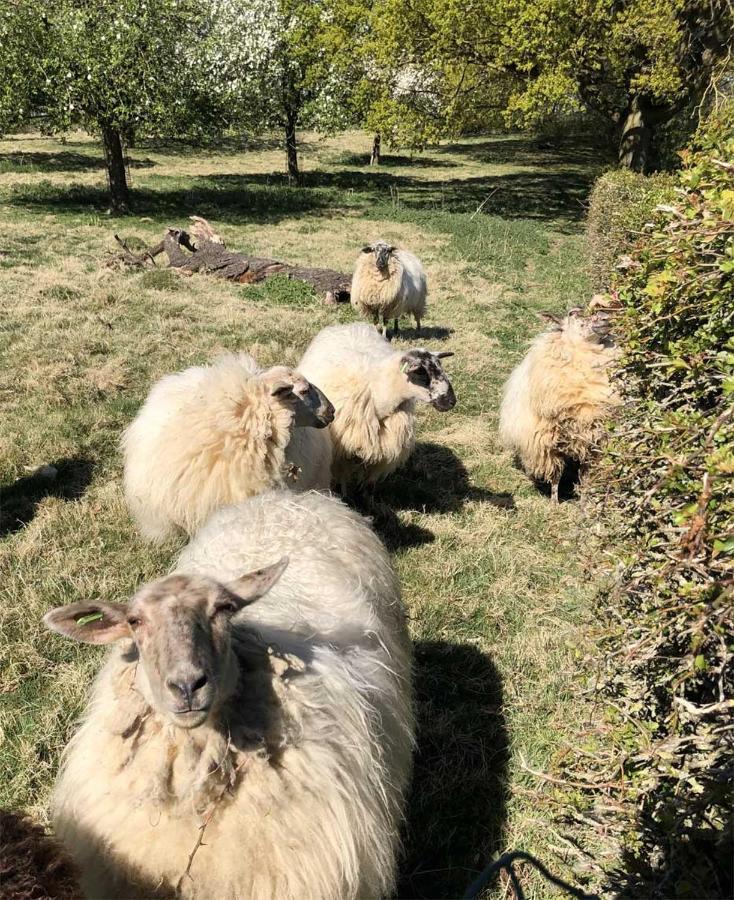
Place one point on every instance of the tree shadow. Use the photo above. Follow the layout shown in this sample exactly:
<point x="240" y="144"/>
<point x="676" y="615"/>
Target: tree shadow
<point x="435" y="480"/>
<point x="456" y="815"/>
<point x="390" y="161"/>
<point x="67" y="479"/>
<point x="62" y="161"/>
<point x="543" y="193"/>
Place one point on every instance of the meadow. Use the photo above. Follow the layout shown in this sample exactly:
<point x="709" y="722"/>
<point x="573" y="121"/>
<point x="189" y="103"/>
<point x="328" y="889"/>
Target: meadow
<point x="498" y="583"/>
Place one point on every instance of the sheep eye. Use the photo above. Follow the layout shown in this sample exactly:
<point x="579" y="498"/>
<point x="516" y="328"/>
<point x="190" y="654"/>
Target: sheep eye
<point x="133" y="621"/>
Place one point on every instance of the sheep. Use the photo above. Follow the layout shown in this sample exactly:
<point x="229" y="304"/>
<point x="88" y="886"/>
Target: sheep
<point x="374" y="389"/>
<point x="212" y="435"/>
<point x="389" y="283"/>
<point x="235" y="748"/>
<point x="33" y="866"/>
<point x="556" y="400"/>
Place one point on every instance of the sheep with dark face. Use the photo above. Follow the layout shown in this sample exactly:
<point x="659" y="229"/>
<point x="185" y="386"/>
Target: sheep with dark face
<point x="213" y="435"/>
<point x="388" y="283"/>
<point x="244" y="747"/>
<point x="557" y="399"/>
<point x="374" y="389"/>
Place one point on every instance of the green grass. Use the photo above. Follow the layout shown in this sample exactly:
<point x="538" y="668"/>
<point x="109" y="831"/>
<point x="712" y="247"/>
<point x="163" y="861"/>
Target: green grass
<point x="491" y="573"/>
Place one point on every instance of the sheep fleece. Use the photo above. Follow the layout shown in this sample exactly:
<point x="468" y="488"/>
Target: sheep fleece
<point x="210" y="436"/>
<point x="373" y="432"/>
<point x="314" y="760"/>
<point x="555" y="402"/>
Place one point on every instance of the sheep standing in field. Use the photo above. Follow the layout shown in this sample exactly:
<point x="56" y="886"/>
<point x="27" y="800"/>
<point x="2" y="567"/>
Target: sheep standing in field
<point x="243" y="749"/>
<point x="389" y="283"/>
<point x="556" y="400"/>
<point x="374" y="389"/>
<point x="33" y="866"/>
<point x="213" y="435"/>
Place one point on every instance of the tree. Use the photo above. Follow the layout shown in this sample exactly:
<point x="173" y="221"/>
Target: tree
<point x="270" y="64"/>
<point x="634" y="63"/>
<point x="111" y="66"/>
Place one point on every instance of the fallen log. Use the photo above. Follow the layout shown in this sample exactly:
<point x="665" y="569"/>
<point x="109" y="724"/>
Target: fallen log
<point x="200" y="249"/>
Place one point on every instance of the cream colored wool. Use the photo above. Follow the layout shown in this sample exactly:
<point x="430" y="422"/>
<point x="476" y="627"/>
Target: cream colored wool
<point x="301" y="778"/>
<point x="376" y="294"/>
<point x="556" y="400"/>
<point x="213" y="435"/>
<point x="373" y="432"/>
<point x="414" y="287"/>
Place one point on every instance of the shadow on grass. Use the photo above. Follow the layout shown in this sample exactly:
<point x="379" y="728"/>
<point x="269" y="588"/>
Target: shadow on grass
<point x="569" y="485"/>
<point x="61" y="161"/>
<point x="427" y="333"/>
<point x="389" y="161"/>
<point x="435" y="480"/>
<point x="555" y="188"/>
<point x="19" y="501"/>
<point x="456" y="815"/>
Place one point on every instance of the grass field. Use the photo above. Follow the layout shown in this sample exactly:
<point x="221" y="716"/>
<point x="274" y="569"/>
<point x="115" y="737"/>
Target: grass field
<point x="492" y="574"/>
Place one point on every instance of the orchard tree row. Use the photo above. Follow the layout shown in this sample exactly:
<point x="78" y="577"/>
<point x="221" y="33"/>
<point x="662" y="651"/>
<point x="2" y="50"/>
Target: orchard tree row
<point x="411" y="71"/>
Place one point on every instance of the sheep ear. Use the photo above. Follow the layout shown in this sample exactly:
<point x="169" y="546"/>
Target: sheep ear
<point x="90" y="623"/>
<point x="250" y="587"/>
<point x="367" y="249"/>
<point x="444" y="354"/>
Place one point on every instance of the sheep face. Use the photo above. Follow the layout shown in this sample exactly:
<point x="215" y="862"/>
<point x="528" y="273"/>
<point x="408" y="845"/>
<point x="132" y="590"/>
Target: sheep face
<point x="429" y="382"/>
<point x="311" y="407"/>
<point x="180" y="626"/>
<point x="382" y="252"/>
<point x="594" y="329"/>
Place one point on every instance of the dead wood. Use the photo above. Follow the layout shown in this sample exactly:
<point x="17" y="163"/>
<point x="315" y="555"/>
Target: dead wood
<point x="201" y="249"/>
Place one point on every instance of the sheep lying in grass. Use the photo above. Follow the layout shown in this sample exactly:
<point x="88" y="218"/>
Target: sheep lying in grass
<point x="556" y="400"/>
<point x="33" y="866"/>
<point x="213" y="435"/>
<point x="389" y="283"/>
<point x="235" y="749"/>
<point x="374" y="389"/>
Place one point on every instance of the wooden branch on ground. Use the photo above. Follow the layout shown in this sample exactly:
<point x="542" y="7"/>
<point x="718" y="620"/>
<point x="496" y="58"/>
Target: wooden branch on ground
<point x="202" y="250"/>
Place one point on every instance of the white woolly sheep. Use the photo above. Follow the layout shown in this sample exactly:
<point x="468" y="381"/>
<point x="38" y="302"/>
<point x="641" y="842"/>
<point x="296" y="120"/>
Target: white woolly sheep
<point x="243" y="751"/>
<point x="213" y="435"/>
<point x="556" y="400"/>
<point x="374" y="389"/>
<point x="389" y="283"/>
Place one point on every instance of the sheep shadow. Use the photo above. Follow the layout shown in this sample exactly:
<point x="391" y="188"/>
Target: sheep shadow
<point x="395" y="534"/>
<point x="456" y="816"/>
<point x="569" y="486"/>
<point x="19" y="501"/>
<point x="435" y="480"/>
<point x="426" y="333"/>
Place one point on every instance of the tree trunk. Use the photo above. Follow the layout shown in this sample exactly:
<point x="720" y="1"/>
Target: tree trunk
<point x="116" y="175"/>
<point x="291" y="148"/>
<point x="635" y="145"/>
<point x="375" y="158"/>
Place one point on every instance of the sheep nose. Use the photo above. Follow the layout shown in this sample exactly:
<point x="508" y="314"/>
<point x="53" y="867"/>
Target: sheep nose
<point x="187" y="686"/>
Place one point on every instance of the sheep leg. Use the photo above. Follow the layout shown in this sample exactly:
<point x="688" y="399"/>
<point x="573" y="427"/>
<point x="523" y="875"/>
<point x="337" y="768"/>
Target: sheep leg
<point x="417" y="325"/>
<point x="397" y="327"/>
<point x="384" y="327"/>
<point x="554" y="492"/>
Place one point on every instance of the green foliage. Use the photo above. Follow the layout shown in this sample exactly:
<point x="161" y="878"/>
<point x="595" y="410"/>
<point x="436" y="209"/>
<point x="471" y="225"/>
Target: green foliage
<point x="444" y="66"/>
<point x="111" y="62"/>
<point x="620" y="204"/>
<point x="282" y="291"/>
<point x="668" y="646"/>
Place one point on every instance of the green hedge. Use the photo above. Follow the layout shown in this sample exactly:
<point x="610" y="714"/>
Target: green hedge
<point x="620" y="205"/>
<point x="665" y="749"/>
